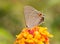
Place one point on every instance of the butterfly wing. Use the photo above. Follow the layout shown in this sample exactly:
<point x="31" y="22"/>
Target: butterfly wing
<point x="32" y="16"/>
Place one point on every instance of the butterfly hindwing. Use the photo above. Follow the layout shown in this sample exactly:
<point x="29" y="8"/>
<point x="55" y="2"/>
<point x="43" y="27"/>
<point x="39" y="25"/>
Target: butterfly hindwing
<point x="31" y="16"/>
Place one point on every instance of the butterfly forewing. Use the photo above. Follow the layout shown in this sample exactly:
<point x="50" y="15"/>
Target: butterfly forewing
<point x="31" y="16"/>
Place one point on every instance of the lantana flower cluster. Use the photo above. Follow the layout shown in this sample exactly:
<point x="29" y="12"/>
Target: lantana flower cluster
<point x="35" y="35"/>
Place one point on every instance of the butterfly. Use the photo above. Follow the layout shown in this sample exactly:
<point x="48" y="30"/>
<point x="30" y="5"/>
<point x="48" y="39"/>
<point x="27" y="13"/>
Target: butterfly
<point x="33" y="17"/>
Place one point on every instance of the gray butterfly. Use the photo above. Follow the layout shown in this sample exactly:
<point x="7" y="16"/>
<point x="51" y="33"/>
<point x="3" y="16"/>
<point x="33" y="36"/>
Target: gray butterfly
<point x="32" y="16"/>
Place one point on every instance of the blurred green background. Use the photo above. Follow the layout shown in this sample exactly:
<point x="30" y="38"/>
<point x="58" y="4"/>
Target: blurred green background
<point x="12" y="18"/>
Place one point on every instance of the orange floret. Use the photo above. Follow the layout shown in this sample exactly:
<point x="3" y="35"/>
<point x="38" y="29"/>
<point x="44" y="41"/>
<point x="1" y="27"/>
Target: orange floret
<point x="35" y="35"/>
